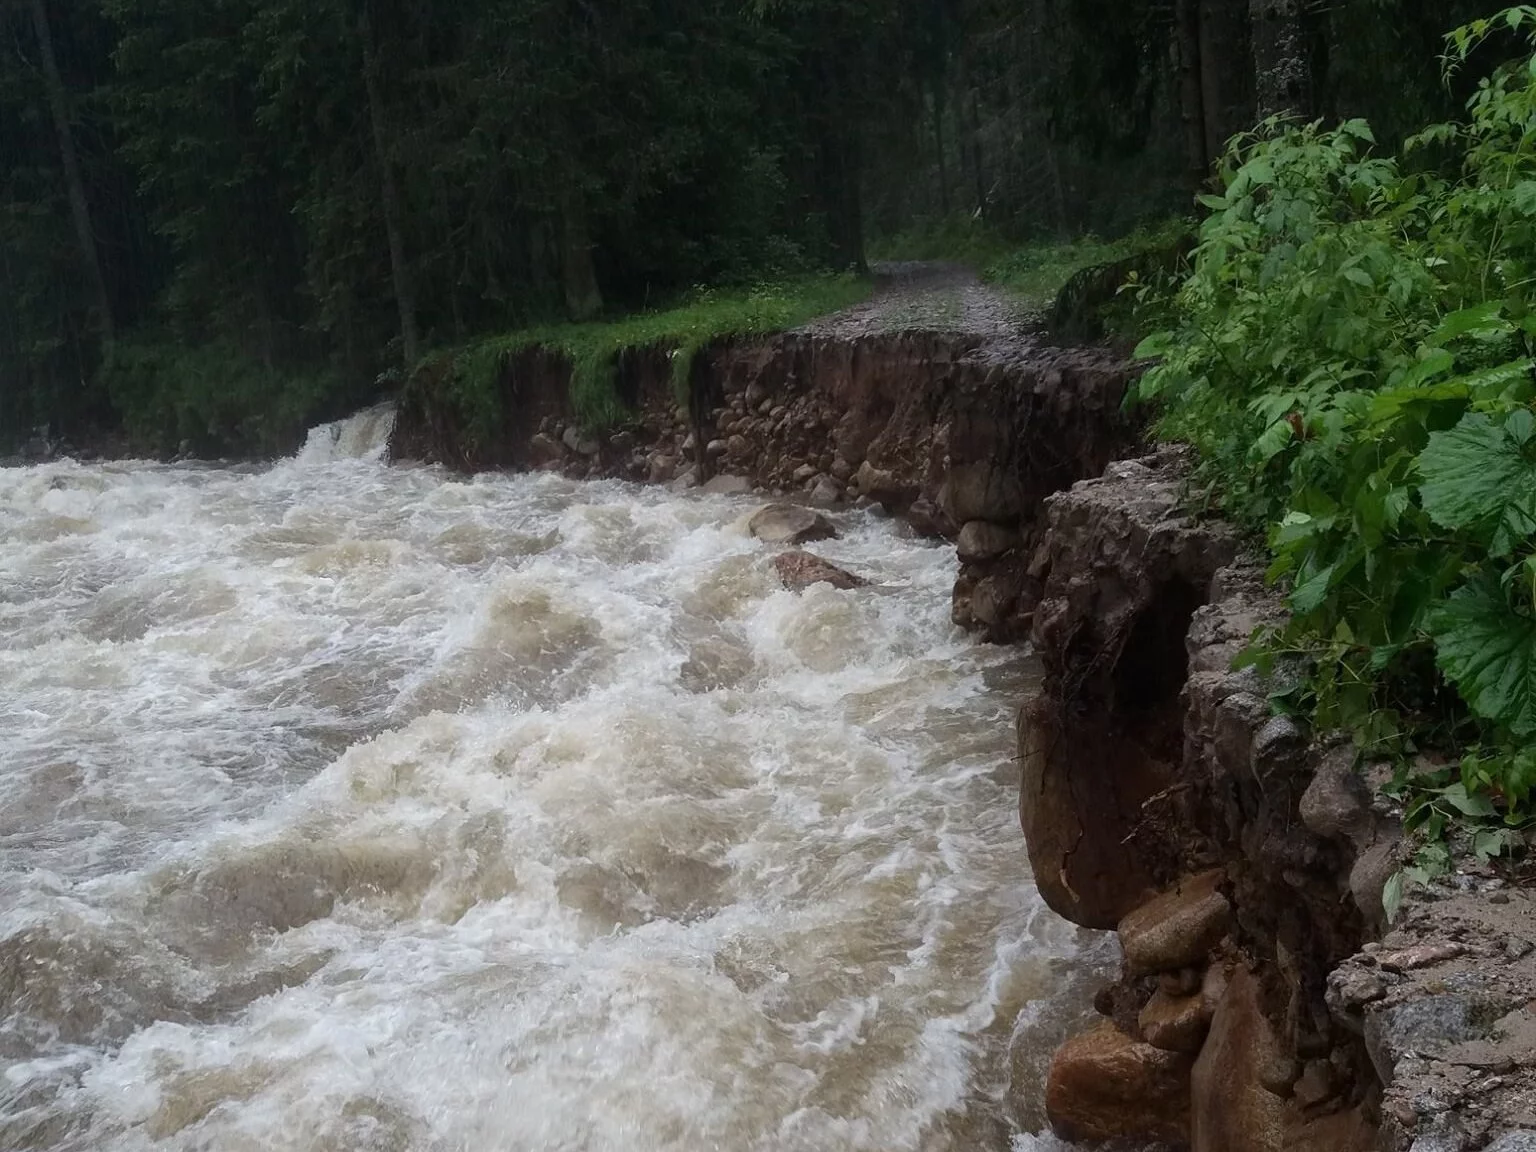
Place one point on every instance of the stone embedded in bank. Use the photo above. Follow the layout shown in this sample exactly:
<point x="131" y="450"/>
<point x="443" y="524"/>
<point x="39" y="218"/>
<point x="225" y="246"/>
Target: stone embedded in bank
<point x="790" y="524"/>
<point x="1175" y="1023"/>
<point x="1178" y="928"/>
<point x="727" y="486"/>
<point x="1106" y="1086"/>
<point x="983" y="540"/>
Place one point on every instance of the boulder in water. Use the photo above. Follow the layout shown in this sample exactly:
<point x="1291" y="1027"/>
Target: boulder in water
<point x="1107" y="1086"/>
<point x="790" y="524"/>
<point x="799" y="570"/>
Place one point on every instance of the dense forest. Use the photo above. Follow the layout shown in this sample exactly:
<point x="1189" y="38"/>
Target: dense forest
<point x="220" y="219"/>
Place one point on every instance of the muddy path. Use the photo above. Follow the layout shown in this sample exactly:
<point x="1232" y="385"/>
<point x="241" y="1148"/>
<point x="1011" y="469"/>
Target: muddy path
<point x="929" y="296"/>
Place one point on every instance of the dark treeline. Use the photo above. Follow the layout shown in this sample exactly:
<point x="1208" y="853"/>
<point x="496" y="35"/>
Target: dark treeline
<point x="263" y="204"/>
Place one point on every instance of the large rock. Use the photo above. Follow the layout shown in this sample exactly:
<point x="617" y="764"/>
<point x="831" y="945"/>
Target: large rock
<point x="1075" y="824"/>
<point x="582" y="443"/>
<point x="1179" y="928"/>
<point x="1427" y="1025"/>
<point x="1114" y="584"/>
<point x="982" y="540"/>
<point x="723" y="485"/>
<point x="1232" y="1108"/>
<point x="790" y="524"/>
<point x="1106" y="1086"/>
<point x="799" y="570"/>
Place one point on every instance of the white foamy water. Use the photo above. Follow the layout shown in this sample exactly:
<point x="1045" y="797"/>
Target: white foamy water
<point x="351" y="807"/>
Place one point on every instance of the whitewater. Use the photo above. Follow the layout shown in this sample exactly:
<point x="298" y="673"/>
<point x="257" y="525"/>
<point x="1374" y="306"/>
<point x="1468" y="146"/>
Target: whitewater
<point x="355" y="807"/>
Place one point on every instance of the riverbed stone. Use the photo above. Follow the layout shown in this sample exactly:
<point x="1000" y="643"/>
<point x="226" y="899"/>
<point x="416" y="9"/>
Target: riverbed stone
<point x="1178" y="928"/>
<point x="798" y="570"/>
<point x="790" y="524"/>
<point x="1104" y="1085"/>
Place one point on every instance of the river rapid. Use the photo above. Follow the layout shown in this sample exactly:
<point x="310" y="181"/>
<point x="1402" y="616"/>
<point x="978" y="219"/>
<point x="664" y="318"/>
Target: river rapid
<point x="368" y="808"/>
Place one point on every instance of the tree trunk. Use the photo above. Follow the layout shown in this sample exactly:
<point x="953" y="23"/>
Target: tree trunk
<point x="1197" y="158"/>
<point x="938" y="143"/>
<point x="394" y="210"/>
<point x="1282" y="70"/>
<point x="978" y="168"/>
<point x="79" y="208"/>
<point x="583" y="298"/>
<point x="1226" y="72"/>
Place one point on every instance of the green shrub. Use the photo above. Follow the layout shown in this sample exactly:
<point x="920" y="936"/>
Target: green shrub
<point x="212" y="399"/>
<point x="1353" y="358"/>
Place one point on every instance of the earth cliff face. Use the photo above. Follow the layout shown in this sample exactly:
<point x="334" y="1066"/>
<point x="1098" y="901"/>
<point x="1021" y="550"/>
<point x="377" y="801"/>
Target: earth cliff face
<point x="962" y="435"/>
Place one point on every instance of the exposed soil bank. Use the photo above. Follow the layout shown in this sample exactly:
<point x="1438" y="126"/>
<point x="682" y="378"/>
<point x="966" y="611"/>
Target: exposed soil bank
<point x="961" y="435"/>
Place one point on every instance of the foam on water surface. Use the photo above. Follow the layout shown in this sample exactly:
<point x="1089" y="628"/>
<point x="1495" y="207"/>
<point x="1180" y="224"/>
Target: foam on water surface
<point x="352" y="807"/>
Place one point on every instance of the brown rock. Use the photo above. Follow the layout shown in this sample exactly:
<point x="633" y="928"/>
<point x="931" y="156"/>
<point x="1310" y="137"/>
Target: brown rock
<point x="799" y="570"/>
<point x="1106" y="1086"/>
<point x="1083" y="866"/>
<point x="981" y="489"/>
<point x="1178" y="928"/>
<point x="737" y="445"/>
<point x="1231" y="1110"/>
<point x="790" y="524"/>
<point x="1176" y="1024"/>
<point x="1342" y="1132"/>
<point x="981" y="540"/>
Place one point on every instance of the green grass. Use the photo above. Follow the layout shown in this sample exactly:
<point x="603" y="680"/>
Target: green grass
<point x="1035" y="273"/>
<point x="593" y="348"/>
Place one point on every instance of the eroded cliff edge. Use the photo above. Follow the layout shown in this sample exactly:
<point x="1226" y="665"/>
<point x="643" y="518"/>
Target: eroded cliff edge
<point x="962" y="435"/>
<point x="1263" y="1003"/>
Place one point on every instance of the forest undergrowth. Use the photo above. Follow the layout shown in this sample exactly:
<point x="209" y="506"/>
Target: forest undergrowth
<point x="1353" y="356"/>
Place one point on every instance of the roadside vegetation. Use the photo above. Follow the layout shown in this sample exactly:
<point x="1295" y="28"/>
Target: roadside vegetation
<point x="1032" y="271"/>
<point x="1354" y="358"/>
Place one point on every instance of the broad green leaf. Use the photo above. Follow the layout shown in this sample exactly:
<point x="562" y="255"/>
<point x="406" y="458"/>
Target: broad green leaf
<point x="1392" y="895"/>
<point x="1468" y="803"/>
<point x="1488" y="651"/>
<point x="1311" y="592"/>
<point x="1483" y="320"/>
<point x="1476" y="476"/>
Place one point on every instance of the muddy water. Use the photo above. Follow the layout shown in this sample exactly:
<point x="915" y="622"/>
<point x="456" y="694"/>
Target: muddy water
<point x="354" y="807"/>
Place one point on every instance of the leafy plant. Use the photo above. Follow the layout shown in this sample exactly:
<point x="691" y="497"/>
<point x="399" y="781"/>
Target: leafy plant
<point x="1353" y="358"/>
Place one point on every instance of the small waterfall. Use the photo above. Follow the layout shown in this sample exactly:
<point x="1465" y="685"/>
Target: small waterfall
<point x="363" y="435"/>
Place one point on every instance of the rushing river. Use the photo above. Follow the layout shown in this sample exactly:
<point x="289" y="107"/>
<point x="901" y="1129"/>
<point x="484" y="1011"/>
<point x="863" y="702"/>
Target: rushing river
<point x="352" y="807"/>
